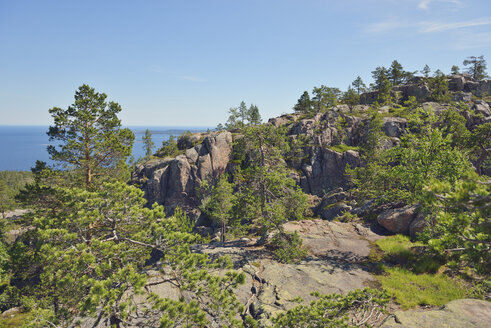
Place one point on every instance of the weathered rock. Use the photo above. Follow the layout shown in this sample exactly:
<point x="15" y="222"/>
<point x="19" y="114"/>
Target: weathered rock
<point x="394" y="126"/>
<point x="324" y="170"/>
<point x="484" y="87"/>
<point x="172" y="182"/>
<point x="434" y="107"/>
<point x="462" y="96"/>
<point x="468" y="313"/>
<point x="283" y="119"/>
<point x="347" y="242"/>
<point x="419" y="223"/>
<point x="398" y="220"/>
<point x="456" y="82"/>
<point x="481" y="107"/>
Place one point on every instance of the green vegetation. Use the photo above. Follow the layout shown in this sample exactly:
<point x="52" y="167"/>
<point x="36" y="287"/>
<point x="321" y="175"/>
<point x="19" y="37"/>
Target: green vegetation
<point x="92" y="240"/>
<point x="13" y="321"/>
<point x="147" y="143"/>
<point x="477" y="67"/>
<point x="462" y="229"/>
<point x="242" y="116"/>
<point x="169" y="148"/>
<point x="89" y="135"/>
<point x="343" y="147"/>
<point x="413" y="278"/>
<point x="356" y="309"/>
<point x="411" y="290"/>
<point x="421" y="156"/>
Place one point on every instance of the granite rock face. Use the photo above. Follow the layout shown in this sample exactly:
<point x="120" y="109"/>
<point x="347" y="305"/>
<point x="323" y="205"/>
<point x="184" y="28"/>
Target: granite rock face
<point x="172" y="182"/>
<point x="468" y="313"/>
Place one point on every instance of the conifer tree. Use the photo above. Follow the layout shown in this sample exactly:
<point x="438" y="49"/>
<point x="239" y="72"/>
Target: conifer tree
<point x="89" y="135"/>
<point x="304" y="104"/>
<point x="477" y="67"/>
<point x="219" y="203"/>
<point x="253" y="116"/>
<point x="147" y="143"/>
<point x="358" y="85"/>
<point x="93" y="255"/>
<point x="396" y="74"/>
<point x="426" y="71"/>
<point x="380" y="74"/>
<point x="325" y="97"/>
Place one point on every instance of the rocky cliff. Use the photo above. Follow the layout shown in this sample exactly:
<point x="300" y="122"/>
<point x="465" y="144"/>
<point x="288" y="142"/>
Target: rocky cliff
<point x="320" y="171"/>
<point x="173" y="182"/>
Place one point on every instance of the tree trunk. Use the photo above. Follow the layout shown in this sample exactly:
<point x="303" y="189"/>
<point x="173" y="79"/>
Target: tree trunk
<point x="222" y="231"/>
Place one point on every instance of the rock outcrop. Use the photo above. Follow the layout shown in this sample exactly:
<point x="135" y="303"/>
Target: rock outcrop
<point x="319" y="170"/>
<point x="463" y="86"/>
<point x="468" y="313"/>
<point x="338" y="253"/>
<point x="173" y="182"/>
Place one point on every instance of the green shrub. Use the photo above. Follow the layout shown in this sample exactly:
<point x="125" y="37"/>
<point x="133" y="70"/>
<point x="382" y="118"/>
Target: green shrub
<point x="288" y="247"/>
<point x="358" y="308"/>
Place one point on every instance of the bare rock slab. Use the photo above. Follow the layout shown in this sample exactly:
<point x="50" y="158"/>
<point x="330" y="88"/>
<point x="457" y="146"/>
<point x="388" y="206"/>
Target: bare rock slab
<point x="462" y="313"/>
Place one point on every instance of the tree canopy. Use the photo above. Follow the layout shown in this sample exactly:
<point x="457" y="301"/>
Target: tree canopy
<point x="88" y="134"/>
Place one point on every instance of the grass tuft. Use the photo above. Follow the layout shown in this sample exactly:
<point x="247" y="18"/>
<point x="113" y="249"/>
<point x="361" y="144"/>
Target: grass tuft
<point x="411" y="290"/>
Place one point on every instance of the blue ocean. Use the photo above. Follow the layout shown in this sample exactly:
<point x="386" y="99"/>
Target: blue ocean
<point x="21" y="146"/>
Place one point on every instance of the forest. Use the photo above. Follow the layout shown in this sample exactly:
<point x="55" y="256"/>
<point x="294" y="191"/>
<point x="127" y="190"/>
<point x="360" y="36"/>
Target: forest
<point x="105" y="242"/>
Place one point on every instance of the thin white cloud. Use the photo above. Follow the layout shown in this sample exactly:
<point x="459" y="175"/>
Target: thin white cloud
<point x="386" y="26"/>
<point x="424" y="26"/>
<point x="430" y="27"/>
<point x="425" y="4"/>
<point x="192" y="78"/>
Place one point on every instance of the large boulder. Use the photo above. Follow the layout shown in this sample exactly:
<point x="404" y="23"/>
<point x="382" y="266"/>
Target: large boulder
<point x="172" y="182"/>
<point x="398" y="220"/>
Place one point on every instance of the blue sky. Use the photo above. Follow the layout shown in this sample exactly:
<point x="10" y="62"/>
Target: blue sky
<point x="185" y="62"/>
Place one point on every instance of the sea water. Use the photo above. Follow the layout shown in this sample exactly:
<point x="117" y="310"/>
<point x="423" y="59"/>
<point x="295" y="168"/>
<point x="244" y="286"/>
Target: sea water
<point x="22" y="145"/>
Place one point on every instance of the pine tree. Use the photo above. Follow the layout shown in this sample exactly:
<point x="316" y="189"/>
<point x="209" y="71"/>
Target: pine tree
<point x="89" y="135"/>
<point x="218" y="205"/>
<point x="358" y="85"/>
<point x="455" y="70"/>
<point x="438" y="85"/>
<point x="477" y="68"/>
<point x="147" y="143"/>
<point x="268" y="196"/>
<point x="253" y="116"/>
<point x="380" y="74"/>
<point x="304" y="104"/>
<point x="426" y="71"/>
<point x="325" y="97"/>
<point x="92" y="258"/>
<point x="351" y="97"/>
<point x="396" y="74"/>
